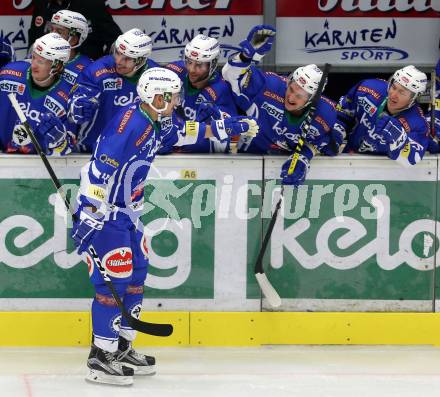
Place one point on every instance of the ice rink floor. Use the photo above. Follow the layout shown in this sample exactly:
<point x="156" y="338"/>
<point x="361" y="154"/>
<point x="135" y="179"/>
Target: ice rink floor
<point x="272" y="371"/>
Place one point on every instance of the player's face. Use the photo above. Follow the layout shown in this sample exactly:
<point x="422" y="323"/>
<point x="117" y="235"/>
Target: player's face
<point x="124" y="65"/>
<point x="197" y="71"/>
<point x="399" y="97"/>
<point x="40" y="67"/>
<point x="295" y="97"/>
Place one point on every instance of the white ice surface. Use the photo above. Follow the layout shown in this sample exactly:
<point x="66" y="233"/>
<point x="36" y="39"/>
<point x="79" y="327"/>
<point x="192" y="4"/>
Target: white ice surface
<point x="272" y="371"/>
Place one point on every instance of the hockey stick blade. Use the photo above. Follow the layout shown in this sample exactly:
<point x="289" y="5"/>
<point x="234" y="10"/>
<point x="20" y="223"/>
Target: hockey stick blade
<point x="141" y="326"/>
<point x="268" y="290"/>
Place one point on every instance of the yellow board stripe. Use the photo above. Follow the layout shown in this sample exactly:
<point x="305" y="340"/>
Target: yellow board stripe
<point x="232" y="328"/>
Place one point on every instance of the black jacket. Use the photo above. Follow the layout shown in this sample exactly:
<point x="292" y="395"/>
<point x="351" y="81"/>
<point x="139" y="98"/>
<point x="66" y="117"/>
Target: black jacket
<point x="104" y="29"/>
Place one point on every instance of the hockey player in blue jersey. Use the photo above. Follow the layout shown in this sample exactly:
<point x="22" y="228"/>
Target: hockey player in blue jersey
<point x="434" y="139"/>
<point x="382" y="117"/>
<point x="42" y="95"/>
<point x="280" y="105"/>
<point x="109" y="205"/>
<point x="107" y="85"/>
<point x="7" y="53"/>
<point x="206" y="95"/>
<point x="73" y="27"/>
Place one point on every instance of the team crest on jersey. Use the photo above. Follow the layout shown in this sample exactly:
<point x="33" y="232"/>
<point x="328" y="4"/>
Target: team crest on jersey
<point x="272" y="111"/>
<point x="69" y="76"/>
<point x="119" y="262"/>
<point x="112" y="84"/>
<point x="54" y="106"/>
<point x="12" y="86"/>
<point x="367" y="105"/>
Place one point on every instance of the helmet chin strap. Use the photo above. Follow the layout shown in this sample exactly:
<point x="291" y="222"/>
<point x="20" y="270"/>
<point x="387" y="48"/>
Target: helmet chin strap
<point x="159" y="111"/>
<point x="52" y="74"/>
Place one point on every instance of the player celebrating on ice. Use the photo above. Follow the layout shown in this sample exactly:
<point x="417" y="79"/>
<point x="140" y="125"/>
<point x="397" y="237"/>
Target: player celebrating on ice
<point x="109" y="84"/>
<point x="382" y="117"/>
<point x="207" y="96"/>
<point x="73" y="27"/>
<point x="281" y="106"/>
<point x="43" y="96"/>
<point x="109" y="205"/>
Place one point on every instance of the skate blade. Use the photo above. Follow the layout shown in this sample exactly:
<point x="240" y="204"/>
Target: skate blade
<point x="95" y="376"/>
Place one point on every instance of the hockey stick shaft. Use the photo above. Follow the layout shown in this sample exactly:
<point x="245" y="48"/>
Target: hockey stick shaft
<point x="433" y="103"/>
<point x="144" y="327"/>
<point x="269" y="292"/>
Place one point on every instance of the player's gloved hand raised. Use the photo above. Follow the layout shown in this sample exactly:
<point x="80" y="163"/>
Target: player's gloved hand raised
<point x="234" y="126"/>
<point x="87" y="223"/>
<point x="207" y="111"/>
<point x="258" y="42"/>
<point x="294" y="173"/>
<point x="82" y="109"/>
<point x="392" y="131"/>
<point x="50" y="132"/>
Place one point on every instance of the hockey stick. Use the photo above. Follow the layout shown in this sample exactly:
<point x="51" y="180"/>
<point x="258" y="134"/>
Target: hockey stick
<point x="266" y="287"/>
<point x="141" y="326"/>
<point x="433" y="103"/>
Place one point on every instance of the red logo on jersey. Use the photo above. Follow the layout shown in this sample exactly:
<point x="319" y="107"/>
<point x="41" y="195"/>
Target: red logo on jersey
<point x="124" y="120"/>
<point x="119" y="262"/>
<point x="39" y="21"/>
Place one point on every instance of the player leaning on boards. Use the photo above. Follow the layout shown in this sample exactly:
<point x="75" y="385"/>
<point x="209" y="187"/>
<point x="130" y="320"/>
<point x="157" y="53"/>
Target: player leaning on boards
<point x="107" y="85"/>
<point x="281" y="106"/>
<point x="43" y="96"/>
<point x="106" y="219"/>
<point x="72" y="26"/>
<point x="207" y="96"/>
<point x="382" y="117"/>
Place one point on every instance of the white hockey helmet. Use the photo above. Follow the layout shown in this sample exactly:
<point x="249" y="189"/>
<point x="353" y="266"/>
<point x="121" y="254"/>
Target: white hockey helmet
<point x="307" y="77"/>
<point x="74" y="21"/>
<point x="157" y="81"/>
<point x="411" y="78"/>
<point x="53" y="47"/>
<point x="134" y="44"/>
<point x="204" y="49"/>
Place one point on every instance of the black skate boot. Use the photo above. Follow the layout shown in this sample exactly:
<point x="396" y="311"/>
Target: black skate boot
<point x="141" y="364"/>
<point x="105" y="368"/>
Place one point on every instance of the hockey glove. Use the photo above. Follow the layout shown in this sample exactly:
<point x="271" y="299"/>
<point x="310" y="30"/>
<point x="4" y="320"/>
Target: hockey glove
<point x="207" y="111"/>
<point x="82" y="109"/>
<point x="234" y="126"/>
<point x="297" y="176"/>
<point x="258" y="42"/>
<point x="84" y="229"/>
<point x="51" y="132"/>
<point x="393" y="133"/>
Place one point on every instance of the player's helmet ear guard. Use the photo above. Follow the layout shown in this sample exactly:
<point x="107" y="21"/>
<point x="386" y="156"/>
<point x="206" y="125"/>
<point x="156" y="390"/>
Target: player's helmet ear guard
<point x="75" y="22"/>
<point x="412" y="79"/>
<point x="156" y="81"/>
<point x="135" y="44"/>
<point x="204" y="49"/>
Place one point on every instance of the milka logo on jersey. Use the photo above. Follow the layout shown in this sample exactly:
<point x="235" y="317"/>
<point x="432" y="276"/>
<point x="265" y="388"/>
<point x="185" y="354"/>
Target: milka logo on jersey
<point x="54" y="106"/>
<point x="12" y="86"/>
<point x="367" y="105"/>
<point x="272" y="111"/>
<point x="70" y="76"/>
<point x="112" y="84"/>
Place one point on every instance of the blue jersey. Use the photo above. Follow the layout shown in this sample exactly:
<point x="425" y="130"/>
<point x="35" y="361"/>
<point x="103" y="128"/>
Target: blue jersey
<point x="74" y="67"/>
<point x="123" y="156"/>
<point x="262" y="95"/>
<point x="15" y="78"/>
<point x="217" y="93"/>
<point x="361" y="108"/>
<point x="113" y="91"/>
